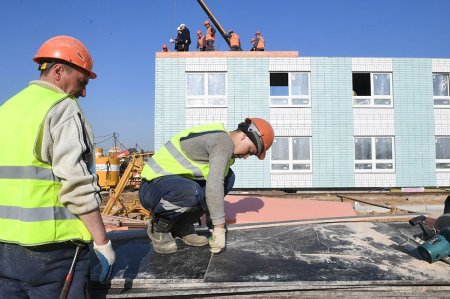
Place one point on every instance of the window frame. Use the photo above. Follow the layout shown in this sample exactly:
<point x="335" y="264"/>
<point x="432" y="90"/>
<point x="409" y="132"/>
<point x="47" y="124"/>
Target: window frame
<point x="205" y="97"/>
<point x="442" y="97"/>
<point x="441" y="160"/>
<point x="374" y="161"/>
<point x="372" y="98"/>
<point x="291" y="161"/>
<point x="290" y="96"/>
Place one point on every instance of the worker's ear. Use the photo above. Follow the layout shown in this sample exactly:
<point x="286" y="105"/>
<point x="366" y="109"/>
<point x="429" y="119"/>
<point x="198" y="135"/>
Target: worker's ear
<point x="58" y="70"/>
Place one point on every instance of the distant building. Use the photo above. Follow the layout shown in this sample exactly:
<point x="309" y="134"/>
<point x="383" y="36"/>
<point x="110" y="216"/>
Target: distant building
<point x="340" y="122"/>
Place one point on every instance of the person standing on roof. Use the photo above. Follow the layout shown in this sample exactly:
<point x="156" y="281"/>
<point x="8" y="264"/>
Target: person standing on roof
<point x="258" y="42"/>
<point x="235" y="41"/>
<point x="190" y="175"/>
<point x="210" y="36"/>
<point x="185" y="37"/>
<point x="178" y="41"/>
<point x="49" y="198"/>
<point x="201" y="42"/>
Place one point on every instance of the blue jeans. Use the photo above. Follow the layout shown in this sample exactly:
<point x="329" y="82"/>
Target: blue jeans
<point x="172" y="197"/>
<point x="40" y="271"/>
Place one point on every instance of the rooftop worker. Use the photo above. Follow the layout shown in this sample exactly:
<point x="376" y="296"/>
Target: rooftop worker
<point x="235" y="41"/>
<point x="201" y="42"/>
<point x="210" y="36"/>
<point x="191" y="174"/>
<point x="252" y="41"/>
<point x="164" y="48"/>
<point x="178" y="41"/>
<point x="185" y="37"/>
<point x="258" y="43"/>
<point x="49" y="198"/>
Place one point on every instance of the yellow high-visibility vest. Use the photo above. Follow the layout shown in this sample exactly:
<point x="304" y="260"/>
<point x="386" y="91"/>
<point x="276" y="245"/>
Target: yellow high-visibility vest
<point x="171" y="160"/>
<point x="30" y="211"/>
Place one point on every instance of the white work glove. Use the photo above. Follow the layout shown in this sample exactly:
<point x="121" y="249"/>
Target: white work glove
<point x="217" y="240"/>
<point x="172" y="40"/>
<point x="107" y="257"/>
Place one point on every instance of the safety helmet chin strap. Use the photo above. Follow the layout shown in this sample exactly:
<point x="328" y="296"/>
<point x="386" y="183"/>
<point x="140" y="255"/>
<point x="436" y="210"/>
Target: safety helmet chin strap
<point x="253" y="134"/>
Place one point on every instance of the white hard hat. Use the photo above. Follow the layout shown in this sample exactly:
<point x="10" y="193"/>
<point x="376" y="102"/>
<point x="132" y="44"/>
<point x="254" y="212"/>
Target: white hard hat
<point x="178" y="28"/>
<point x="182" y="25"/>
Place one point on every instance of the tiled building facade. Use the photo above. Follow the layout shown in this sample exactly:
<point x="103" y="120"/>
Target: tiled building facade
<point x="339" y="122"/>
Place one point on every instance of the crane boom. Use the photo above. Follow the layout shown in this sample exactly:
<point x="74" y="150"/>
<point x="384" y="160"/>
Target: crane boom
<point x="214" y="20"/>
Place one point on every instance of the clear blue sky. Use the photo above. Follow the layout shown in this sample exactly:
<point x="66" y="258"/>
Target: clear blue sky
<point x="123" y="37"/>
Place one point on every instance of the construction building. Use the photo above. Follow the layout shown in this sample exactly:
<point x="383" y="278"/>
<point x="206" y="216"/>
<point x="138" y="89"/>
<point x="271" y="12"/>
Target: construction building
<point x="340" y="122"/>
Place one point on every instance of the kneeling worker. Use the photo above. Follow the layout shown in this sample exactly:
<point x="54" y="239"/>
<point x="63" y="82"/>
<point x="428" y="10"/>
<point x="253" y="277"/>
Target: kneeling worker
<point x="191" y="174"/>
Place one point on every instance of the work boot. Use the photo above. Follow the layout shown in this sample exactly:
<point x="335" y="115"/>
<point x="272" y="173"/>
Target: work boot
<point x="186" y="232"/>
<point x="159" y="232"/>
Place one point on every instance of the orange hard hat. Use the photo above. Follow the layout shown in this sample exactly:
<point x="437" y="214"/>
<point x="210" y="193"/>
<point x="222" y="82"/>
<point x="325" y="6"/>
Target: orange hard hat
<point x="260" y="132"/>
<point x="199" y="32"/>
<point x="206" y="22"/>
<point x="68" y="49"/>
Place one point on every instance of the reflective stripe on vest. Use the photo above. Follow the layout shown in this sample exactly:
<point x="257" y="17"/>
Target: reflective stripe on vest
<point x="27" y="173"/>
<point x="30" y="211"/>
<point x="171" y="160"/>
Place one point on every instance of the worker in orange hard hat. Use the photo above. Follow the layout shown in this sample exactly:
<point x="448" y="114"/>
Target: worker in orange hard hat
<point x="48" y="152"/>
<point x="210" y="36"/>
<point x="164" y="48"/>
<point x="258" y="42"/>
<point x="191" y="175"/>
<point x="235" y="41"/>
<point x="201" y="41"/>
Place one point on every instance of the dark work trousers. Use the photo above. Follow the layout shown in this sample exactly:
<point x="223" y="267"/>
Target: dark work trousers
<point x="447" y="205"/>
<point x="209" y="45"/>
<point x="172" y="197"/>
<point x="40" y="271"/>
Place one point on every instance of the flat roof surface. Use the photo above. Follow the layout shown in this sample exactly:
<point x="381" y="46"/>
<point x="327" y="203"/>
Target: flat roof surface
<point x="344" y="257"/>
<point x="220" y="54"/>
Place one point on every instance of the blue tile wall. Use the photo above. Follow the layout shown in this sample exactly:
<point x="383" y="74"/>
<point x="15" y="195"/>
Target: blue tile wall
<point x="414" y="122"/>
<point x="332" y="122"/>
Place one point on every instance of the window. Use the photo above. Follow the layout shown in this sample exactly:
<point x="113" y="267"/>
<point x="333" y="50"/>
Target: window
<point x="372" y="89"/>
<point x="291" y="154"/>
<point x="440" y="90"/>
<point x="206" y="90"/>
<point x="374" y="154"/>
<point x="443" y="153"/>
<point x="289" y="89"/>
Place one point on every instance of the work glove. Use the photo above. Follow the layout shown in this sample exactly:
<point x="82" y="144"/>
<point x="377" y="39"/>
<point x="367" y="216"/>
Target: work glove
<point x="217" y="240"/>
<point x="107" y="257"/>
<point x="172" y="40"/>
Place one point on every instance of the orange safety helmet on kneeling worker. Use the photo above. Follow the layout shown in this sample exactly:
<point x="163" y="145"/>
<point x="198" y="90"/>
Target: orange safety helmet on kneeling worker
<point x="260" y="133"/>
<point x="68" y="49"/>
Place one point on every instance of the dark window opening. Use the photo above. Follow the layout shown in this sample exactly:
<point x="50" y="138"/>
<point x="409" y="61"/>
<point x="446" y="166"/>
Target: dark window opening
<point x="279" y="84"/>
<point x="361" y="84"/>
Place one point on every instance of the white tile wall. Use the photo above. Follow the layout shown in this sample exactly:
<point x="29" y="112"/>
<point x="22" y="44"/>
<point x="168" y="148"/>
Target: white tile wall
<point x="374" y="180"/>
<point x="201" y="116"/>
<point x="441" y="65"/>
<point x="442" y="121"/>
<point x="373" y="122"/>
<point x="300" y="64"/>
<point x="291" y="121"/>
<point x="294" y="180"/>
<point x="371" y="64"/>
